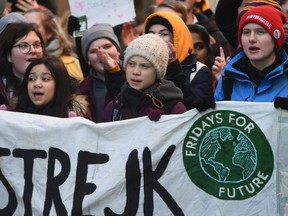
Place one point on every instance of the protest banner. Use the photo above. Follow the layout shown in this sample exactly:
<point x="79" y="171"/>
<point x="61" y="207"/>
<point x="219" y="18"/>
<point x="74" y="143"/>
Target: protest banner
<point x="228" y="161"/>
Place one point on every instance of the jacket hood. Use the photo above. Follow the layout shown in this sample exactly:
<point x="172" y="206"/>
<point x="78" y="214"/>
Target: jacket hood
<point x="182" y="39"/>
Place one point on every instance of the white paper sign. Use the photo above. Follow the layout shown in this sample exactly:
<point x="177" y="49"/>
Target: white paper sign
<point x="113" y="12"/>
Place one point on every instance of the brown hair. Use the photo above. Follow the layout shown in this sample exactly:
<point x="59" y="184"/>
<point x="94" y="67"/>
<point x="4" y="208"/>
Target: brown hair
<point x="176" y="6"/>
<point x="51" y="25"/>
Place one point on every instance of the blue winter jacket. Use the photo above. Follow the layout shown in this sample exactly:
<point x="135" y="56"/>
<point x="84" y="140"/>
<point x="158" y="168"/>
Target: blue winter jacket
<point x="239" y="87"/>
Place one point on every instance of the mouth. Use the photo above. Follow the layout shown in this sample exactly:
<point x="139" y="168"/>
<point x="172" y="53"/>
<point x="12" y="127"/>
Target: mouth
<point x="31" y="59"/>
<point x="253" y="49"/>
<point x="37" y="94"/>
<point x="135" y="81"/>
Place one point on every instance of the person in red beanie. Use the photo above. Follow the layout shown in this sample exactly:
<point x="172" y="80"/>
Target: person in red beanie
<point x="228" y="13"/>
<point x="257" y="70"/>
<point x="227" y="16"/>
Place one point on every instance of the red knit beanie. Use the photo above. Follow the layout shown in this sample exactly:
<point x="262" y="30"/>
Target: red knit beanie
<point x="269" y="18"/>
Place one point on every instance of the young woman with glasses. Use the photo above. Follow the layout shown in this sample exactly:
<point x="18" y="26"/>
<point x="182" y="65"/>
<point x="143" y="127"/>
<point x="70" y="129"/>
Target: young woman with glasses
<point x="20" y="44"/>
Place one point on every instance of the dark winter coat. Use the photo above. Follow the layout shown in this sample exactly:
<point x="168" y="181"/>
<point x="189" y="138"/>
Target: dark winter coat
<point x="132" y="103"/>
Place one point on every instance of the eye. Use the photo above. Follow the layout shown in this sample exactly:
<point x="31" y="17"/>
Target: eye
<point x="262" y="31"/>
<point x="145" y="66"/>
<point x="245" y="32"/>
<point x="164" y="33"/>
<point x="199" y="46"/>
<point x="31" y="79"/>
<point x="23" y="46"/>
<point x="37" y="46"/>
<point x="45" y="79"/>
<point x="92" y="51"/>
<point x="107" y="46"/>
<point x="131" y="64"/>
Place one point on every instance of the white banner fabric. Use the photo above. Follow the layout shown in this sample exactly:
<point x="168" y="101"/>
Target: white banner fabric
<point x="232" y="160"/>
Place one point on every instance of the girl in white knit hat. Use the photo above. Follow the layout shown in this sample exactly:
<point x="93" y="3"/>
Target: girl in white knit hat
<point x="145" y="91"/>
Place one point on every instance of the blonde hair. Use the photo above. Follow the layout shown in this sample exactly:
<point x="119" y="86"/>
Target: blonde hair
<point x="52" y="26"/>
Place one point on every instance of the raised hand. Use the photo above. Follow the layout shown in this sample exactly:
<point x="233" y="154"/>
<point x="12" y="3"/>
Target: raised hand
<point x="3" y="107"/>
<point x="128" y="33"/>
<point x="219" y="63"/>
<point x="172" y="52"/>
<point x="107" y="61"/>
<point x="25" y="5"/>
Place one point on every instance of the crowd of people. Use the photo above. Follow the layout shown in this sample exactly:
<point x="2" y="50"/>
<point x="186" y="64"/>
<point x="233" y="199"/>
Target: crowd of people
<point x="184" y="55"/>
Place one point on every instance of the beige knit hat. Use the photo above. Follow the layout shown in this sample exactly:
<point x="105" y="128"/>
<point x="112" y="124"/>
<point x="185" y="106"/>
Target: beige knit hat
<point x="153" y="49"/>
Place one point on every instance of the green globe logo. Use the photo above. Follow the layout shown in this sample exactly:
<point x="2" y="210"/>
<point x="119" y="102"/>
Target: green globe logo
<point x="226" y="151"/>
<point x="226" y="154"/>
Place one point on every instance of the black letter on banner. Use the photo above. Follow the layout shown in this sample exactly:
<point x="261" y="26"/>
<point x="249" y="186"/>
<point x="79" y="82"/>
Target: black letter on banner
<point x="28" y="155"/>
<point x="133" y="178"/>
<point x="53" y="183"/>
<point x="151" y="183"/>
<point x="83" y="188"/>
<point x="12" y="201"/>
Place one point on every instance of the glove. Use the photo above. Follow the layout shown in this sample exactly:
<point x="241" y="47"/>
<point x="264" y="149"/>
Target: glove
<point x="155" y="114"/>
<point x="3" y="107"/>
<point x="72" y="114"/>
<point x="73" y="25"/>
<point x="281" y="102"/>
<point x="204" y="103"/>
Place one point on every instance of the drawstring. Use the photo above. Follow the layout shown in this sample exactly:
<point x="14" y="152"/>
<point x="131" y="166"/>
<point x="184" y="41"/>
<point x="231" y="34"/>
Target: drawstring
<point x="155" y="101"/>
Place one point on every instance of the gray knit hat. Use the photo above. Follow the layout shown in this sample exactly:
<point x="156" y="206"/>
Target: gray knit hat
<point x="99" y="30"/>
<point x="13" y="17"/>
<point x="2" y="6"/>
<point x="153" y="49"/>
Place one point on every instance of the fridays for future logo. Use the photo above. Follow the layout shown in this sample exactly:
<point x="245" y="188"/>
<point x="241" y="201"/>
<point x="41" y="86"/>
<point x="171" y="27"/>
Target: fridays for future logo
<point x="227" y="155"/>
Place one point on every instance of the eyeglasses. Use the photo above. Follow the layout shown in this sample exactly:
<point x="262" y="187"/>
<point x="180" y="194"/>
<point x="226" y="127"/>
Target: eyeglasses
<point x="26" y="48"/>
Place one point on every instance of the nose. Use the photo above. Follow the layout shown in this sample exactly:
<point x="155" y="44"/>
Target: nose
<point x="37" y="83"/>
<point x="136" y="70"/>
<point x="31" y="49"/>
<point x="252" y="37"/>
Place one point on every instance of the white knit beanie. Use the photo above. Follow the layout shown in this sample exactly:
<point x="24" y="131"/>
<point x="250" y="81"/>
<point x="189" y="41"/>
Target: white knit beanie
<point x="153" y="49"/>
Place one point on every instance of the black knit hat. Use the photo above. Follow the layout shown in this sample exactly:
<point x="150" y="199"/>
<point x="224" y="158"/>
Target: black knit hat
<point x="158" y="20"/>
